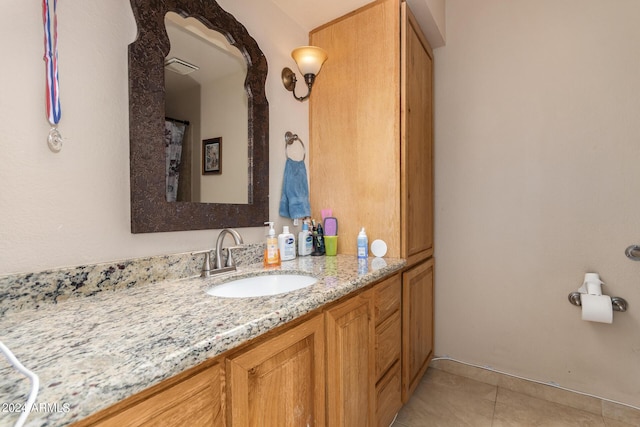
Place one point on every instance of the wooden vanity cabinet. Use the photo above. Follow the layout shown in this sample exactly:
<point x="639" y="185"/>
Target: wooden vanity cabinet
<point x="277" y="381"/>
<point x="371" y="151"/>
<point x="338" y="366"/>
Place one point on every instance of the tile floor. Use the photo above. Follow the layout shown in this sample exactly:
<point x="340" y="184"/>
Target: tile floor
<point x="452" y="395"/>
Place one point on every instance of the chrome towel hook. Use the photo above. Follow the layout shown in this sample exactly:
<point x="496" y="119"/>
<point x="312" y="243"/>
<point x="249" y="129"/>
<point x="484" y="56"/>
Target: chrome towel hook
<point x="633" y="252"/>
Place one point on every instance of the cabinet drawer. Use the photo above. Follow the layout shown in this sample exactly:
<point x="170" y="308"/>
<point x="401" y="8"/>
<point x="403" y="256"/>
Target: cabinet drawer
<point x="388" y="296"/>
<point x="388" y="396"/>
<point x="388" y="343"/>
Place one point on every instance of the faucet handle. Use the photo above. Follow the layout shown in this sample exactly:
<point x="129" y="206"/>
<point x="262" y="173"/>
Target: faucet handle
<point x="230" y="262"/>
<point x="206" y="265"/>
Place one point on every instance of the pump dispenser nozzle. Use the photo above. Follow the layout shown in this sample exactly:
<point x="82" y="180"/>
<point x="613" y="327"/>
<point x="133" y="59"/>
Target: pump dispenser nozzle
<point x="272" y="231"/>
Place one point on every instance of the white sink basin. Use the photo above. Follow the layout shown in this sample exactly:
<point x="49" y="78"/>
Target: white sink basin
<point x="258" y="286"/>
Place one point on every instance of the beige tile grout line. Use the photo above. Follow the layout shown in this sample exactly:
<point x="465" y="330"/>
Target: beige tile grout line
<point x="551" y="384"/>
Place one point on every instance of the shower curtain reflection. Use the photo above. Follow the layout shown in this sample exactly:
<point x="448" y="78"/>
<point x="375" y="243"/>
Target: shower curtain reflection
<point x="174" y="131"/>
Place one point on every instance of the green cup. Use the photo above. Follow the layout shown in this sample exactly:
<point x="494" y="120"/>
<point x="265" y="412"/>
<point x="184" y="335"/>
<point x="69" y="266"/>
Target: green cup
<point x="331" y="245"/>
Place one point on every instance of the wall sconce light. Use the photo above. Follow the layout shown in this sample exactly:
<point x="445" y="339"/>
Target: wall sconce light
<point x="309" y="60"/>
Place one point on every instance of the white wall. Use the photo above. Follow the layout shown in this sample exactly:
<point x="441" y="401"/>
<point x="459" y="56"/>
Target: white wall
<point x="537" y="162"/>
<point x="227" y="120"/>
<point x="73" y="207"/>
<point x="432" y="19"/>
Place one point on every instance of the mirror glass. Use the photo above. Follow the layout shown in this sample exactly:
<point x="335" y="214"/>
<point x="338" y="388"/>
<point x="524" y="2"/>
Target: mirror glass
<point x="205" y="98"/>
<point x="229" y="185"/>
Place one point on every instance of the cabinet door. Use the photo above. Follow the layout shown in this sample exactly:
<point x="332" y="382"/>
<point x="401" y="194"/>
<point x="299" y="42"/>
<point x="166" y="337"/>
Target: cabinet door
<point x="417" y="141"/>
<point x="280" y="382"/>
<point x="196" y="400"/>
<point x="354" y="124"/>
<point x="417" y="325"/>
<point x="350" y="362"/>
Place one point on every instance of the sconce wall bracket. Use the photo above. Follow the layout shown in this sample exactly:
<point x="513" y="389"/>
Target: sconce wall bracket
<point x="289" y="81"/>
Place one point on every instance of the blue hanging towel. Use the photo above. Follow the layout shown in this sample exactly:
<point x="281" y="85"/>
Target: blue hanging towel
<point x="295" y="191"/>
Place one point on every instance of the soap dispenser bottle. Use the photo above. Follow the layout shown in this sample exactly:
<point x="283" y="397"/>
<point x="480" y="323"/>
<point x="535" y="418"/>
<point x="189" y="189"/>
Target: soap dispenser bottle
<point x="287" y="244"/>
<point x="271" y="252"/>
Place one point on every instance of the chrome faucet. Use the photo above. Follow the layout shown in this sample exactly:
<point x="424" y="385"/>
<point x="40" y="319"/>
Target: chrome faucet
<point x="230" y="265"/>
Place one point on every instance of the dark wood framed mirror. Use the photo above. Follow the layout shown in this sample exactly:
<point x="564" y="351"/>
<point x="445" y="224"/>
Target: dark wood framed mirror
<point x="150" y="210"/>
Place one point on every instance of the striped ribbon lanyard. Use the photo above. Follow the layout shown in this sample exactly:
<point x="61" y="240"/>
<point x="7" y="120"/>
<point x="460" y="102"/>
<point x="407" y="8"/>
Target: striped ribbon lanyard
<point x="54" y="112"/>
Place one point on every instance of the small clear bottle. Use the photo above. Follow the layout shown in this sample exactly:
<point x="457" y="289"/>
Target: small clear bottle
<point x="363" y="245"/>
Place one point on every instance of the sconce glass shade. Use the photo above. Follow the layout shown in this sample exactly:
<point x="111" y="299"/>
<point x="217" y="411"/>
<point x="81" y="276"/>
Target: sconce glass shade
<point x="309" y="59"/>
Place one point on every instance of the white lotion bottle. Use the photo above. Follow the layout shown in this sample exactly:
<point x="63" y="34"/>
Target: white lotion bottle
<point x="305" y="241"/>
<point x="287" y="244"/>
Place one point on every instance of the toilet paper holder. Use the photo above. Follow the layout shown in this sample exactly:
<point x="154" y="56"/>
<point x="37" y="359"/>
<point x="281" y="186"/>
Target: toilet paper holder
<point x="633" y="252"/>
<point x="619" y="304"/>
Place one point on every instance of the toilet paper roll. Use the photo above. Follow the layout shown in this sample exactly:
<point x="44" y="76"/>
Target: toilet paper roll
<point x="597" y="308"/>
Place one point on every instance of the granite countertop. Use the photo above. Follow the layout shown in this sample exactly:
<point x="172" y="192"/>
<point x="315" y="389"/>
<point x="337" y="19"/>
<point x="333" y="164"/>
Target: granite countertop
<point x="95" y="351"/>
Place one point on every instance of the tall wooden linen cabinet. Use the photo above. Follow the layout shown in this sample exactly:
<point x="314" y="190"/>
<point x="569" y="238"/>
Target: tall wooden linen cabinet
<point x="371" y="153"/>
